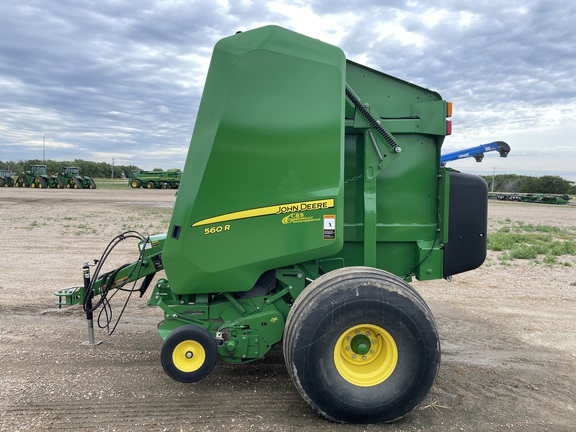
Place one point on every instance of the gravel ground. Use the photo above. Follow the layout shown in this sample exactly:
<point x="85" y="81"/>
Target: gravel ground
<point x="507" y="331"/>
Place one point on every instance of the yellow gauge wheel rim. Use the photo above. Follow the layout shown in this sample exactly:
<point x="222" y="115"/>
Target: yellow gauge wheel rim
<point x="365" y="355"/>
<point x="188" y="356"/>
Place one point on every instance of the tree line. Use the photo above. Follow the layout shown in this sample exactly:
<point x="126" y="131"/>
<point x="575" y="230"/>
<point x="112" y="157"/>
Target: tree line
<point x="90" y="169"/>
<point x="501" y="182"/>
<point x="528" y="184"/>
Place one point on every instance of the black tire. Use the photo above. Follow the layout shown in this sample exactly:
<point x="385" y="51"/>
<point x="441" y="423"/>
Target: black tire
<point x="189" y="353"/>
<point x="77" y="183"/>
<point x="42" y="183"/>
<point x="361" y="346"/>
<point x="135" y="184"/>
<point x="92" y="183"/>
<point x="22" y="181"/>
<point x="2" y="182"/>
<point x="150" y="185"/>
<point x="59" y="183"/>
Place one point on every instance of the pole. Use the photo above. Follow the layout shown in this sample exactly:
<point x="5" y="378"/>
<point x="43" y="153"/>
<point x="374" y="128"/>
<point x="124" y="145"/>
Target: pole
<point x="112" y="173"/>
<point x="493" y="176"/>
<point x="44" y="148"/>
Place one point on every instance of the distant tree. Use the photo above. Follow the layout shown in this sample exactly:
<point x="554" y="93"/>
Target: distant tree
<point x="128" y="169"/>
<point x="157" y="169"/>
<point x="529" y="184"/>
<point x="553" y="185"/>
<point x="510" y="185"/>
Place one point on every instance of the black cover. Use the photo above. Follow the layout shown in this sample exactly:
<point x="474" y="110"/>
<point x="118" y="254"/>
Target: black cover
<point x="467" y="222"/>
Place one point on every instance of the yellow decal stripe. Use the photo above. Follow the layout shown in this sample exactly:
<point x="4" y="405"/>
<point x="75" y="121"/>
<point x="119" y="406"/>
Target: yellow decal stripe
<point x="269" y="210"/>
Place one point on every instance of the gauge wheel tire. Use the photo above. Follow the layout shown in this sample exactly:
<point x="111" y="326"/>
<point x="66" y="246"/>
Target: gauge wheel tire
<point x="150" y="185"/>
<point x="361" y="346"/>
<point x="135" y="184"/>
<point x="189" y="353"/>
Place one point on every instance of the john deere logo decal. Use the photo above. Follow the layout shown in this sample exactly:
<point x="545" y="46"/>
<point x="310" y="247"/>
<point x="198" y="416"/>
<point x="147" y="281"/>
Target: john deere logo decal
<point x="291" y="208"/>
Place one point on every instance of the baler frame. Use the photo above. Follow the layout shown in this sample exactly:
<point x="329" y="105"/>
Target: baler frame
<point x="360" y="343"/>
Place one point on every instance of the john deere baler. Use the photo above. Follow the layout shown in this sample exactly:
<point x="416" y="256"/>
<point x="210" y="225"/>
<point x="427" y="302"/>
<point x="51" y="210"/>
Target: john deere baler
<point x="312" y="194"/>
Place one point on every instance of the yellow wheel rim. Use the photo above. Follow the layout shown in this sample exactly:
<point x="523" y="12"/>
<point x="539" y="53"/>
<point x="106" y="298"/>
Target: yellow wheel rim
<point x="188" y="356"/>
<point x="365" y="355"/>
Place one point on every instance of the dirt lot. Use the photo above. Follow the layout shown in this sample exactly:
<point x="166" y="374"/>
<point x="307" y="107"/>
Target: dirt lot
<point x="508" y="336"/>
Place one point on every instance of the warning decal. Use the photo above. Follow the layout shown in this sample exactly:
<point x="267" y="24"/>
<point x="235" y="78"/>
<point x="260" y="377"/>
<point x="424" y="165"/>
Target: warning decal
<point x="329" y="227"/>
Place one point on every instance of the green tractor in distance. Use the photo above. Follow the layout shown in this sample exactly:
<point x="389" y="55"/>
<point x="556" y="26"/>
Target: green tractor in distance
<point x="71" y="179"/>
<point x="38" y="177"/>
<point x="6" y="178"/>
<point x="154" y="179"/>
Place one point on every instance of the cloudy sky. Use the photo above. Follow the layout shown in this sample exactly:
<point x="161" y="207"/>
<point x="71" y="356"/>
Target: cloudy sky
<point x="121" y="80"/>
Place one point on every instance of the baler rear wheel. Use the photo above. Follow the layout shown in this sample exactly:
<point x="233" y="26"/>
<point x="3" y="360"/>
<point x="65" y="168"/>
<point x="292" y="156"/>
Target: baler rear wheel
<point x="361" y="346"/>
<point x="189" y="353"/>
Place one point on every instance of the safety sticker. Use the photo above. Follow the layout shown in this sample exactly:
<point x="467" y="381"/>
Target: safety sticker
<point x="329" y="227"/>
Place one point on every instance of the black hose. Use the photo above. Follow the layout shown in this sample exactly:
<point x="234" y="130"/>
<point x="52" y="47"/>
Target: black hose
<point x="107" y="281"/>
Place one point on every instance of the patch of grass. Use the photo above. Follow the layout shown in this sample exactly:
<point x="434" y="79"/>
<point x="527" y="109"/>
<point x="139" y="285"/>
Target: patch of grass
<point x="533" y="242"/>
<point x="32" y="225"/>
<point x="433" y="406"/>
<point x="83" y="229"/>
<point x="106" y="183"/>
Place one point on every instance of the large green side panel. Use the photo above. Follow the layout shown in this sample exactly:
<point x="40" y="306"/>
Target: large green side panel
<point x="262" y="184"/>
<point x="409" y="195"/>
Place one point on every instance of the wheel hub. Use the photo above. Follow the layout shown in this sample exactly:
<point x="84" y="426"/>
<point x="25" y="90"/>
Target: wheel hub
<point x="360" y="344"/>
<point x="365" y="355"/>
<point x="188" y="356"/>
